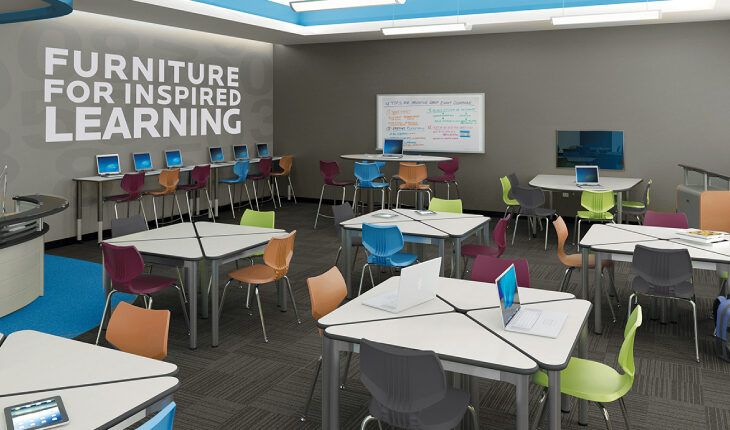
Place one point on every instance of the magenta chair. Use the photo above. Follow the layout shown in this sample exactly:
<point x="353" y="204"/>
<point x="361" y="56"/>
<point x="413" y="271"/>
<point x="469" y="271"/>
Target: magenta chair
<point x="329" y="169"/>
<point x="264" y="166"/>
<point x="666" y="219"/>
<point x="449" y="168"/>
<point x="487" y="269"/>
<point x="125" y="268"/>
<point x="500" y="238"/>
<point x="132" y="183"/>
<point x="199" y="176"/>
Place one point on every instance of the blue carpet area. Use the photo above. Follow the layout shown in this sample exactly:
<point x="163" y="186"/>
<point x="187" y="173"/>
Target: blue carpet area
<point x="72" y="303"/>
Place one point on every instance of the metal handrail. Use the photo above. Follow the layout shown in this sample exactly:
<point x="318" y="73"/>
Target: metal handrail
<point x="706" y="175"/>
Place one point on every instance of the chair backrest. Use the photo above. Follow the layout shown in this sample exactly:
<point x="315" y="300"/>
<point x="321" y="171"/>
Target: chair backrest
<point x="285" y="163"/>
<point x="162" y="421"/>
<point x="487" y="269"/>
<point x="263" y="219"/>
<point x="666" y="219"/>
<point x="139" y="331"/>
<point x="200" y="174"/>
<point x="329" y="169"/>
<point x="528" y="197"/>
<point x="562" y="232"/>
<point x="132" y="183"/>
<point x="380" y="164"/>
<point x="264" y="166"/>
<point x="382" y="241"/>
<point x="662" y="268"/>
<point x="646" y="192"/>
<point x="240" y="169"/>
<point x="506" y="191"/>
<point x="279" y="252"/>
<point x="412" y="174"/>
<point x="500" y="234"/>
<point x="342" y="213"/>
<point x="449" y="167"/>
<point x="597" y="201"/>
<point x="169" y="178"/>
<point x="513" y="181"/>
<point x="125" y="226"/>
<point x="714" y="210"/>
<point x="626" y="353"/>
<point x="122" y="263"/>
<point x="443" y="205"/>
<point x="399" y="379"/>
<point x="366" y="172"/>
<point x="326" y="292"/>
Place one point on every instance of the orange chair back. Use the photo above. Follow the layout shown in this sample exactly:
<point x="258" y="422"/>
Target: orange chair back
<point x="139" y="331"/>
<point x="278" y="253"/>
<point x="562" y="230"/>
<point x="169" y="179"/>
<point x="714" y="210"/>
<point x="285" y="164"/>
<point x="413" y="174"/>
<point x="326" y="292"/>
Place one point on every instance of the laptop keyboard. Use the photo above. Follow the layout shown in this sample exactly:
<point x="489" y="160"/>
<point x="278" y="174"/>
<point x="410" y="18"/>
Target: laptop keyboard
<point x="524" y="319"/>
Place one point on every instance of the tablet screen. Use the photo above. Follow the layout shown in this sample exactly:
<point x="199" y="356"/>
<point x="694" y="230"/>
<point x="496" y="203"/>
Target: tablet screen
<point x="38" y="414"/>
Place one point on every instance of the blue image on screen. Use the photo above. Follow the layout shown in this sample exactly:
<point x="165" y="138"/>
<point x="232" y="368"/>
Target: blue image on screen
<point x="262" y="149"/>
<point x="240" y="152"/>
<point x="216" y="154"/>
<point x="586" y="175"/>
<point x="173" y="158"/>
<point x="142" y="161"/>
<point x="393" y="146"/>
<point x="507" y="287"/>
<point x="35" y="415"/>
<point x="604" y="149"/>
<point x="108" y="164"/>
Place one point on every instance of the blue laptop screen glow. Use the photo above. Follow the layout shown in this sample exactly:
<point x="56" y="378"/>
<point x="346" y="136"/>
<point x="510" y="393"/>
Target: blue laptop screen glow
<point x="262" y="149"/>
<point x="240" y="152"/>
<point x="36" y="415"/>
<point x="142" y="161"/>
<point x="508" y="297"/>
<point x="108" y="164"/>
<point x="586" y="175"/>
<point x="393" y="146"/>
<point x="216" y="154"/>
<point x="173" y="158"/>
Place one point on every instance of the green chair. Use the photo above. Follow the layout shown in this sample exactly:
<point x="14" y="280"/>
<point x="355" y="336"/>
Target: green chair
<point x="637" y="209"/>
<point x="442" y="205"/>
<point x="252" y="218"/>
<point x="506" y="188"/>
<point x="598" y="205"/>
<point x="597" y="382"/>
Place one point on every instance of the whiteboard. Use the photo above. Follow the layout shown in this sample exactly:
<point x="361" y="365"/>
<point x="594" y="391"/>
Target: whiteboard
<point x="452" y="123"/>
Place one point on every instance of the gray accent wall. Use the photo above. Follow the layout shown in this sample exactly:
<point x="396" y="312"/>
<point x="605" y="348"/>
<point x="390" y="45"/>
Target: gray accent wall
<point x="666" y="86"/>
<point x="40" y="167"/>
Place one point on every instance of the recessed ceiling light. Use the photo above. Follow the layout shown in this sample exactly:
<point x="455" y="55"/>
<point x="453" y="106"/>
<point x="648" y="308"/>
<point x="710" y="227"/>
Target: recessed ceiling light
<point x="315" y="5"/>
<point x="434" y="28"/>
<point x="644" y="15"/>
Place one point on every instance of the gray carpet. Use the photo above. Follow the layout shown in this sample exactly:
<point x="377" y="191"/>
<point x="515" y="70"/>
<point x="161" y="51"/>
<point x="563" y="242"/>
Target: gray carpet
<point x="248" y="384"/>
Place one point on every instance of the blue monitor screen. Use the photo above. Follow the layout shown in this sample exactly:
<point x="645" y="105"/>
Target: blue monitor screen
<point x="142" y="161"/>
<point x="216" y="154"/>
<point x="240" y="152"/>
<point x="173" y="158"/>
<point x="393" y="146"/>
<point x="604" y="149"/>
<point x="508" y="297"/>
<point x="262" y="149"/>
<point x="108" y="164"/>
<point x="586" y="175"/>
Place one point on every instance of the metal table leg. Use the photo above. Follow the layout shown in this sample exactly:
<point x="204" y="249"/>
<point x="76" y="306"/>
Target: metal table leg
<point x="281" y="290"/>
<point x="214" y="317"/>
<point x="522" y="401"/>
<point x="191" y="281"/>
<point x="553" y="399"/>
<point x="204" y="282"/>
<point x="584" y="273"/>
<point x="583" y="353"/>
<point x="486" y="233"/>
<point x="79" y="186"/>
<point x="347" y="251"/>
<point x="330" y="385"/>
<point x="619" y="207"/>
<point x="457" y="253"/>
<point x="442" y="251"/>
<point x="597" y="295"/>
<point x="474" y="395"/>
<point x="99" y="211"/>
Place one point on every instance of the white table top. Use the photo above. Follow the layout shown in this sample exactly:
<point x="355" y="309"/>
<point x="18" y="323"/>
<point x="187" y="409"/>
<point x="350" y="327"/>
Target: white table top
<point x="376" y="218"/>
<point x="547" y="352"/>
<point x="206" y="229"/>
<point x="453" y="336"/>
<point x="695" y="253"/>
<point x="457" y="227"/>
<point x="34" y="361"/>
<point x="355" y="311"/>
<point x="186" y="249"/>
<point x="567" y="183"/>
<point x="221" y="246"/>
<point x="174" y="231"/>
<point x="467" y="295"/>
<point x="412" y="213"/>
<point x="601" y="234"/>
<point x="408" y="228"/>
<point x="650" y="231"/>
<point x="406" y="158"/>
<point x="99" y="406"/>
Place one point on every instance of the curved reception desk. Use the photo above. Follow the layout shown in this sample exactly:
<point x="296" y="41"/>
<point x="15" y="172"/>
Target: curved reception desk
<point x="21" y="249"/>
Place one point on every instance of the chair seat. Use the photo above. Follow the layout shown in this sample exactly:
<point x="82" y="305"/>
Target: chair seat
<point x="445" y="414"/>
<point x="258" y="176"/>
<point x="543" y="212"/>
<point x="472" y="250"/>
<point x="190" y="187"/>
<point x="162" y="192"/>
<point x="633" y="210"/>
<point x="256" y="274"/>
<point x="121" y="198"/>
<point x="278" y="173"/>
<point x="414" y="187"/>
<point x="602" y="216"/>
<point x="511" y="202"/>
<point x="339" y="183"/>
<point x="399" y="259"/>
<point x="441" y="179"/>
<point x="630" y="204"/>
<point x="589" y="380"/>
<point x="575" y="260"/>
<point x="372" y="185"/>
<point x="683" y="290"/>
<point x="146" y="284"/>
<point x="233" y="181"/>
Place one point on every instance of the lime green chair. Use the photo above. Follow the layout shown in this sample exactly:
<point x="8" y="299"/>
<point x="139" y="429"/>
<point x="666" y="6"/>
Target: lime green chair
<point x="598" y="205"/>
<point x="506" y="188"/>
<point x="254" y="218"/>
<point x="442" y="205"/>
<point x="597" y="382"/>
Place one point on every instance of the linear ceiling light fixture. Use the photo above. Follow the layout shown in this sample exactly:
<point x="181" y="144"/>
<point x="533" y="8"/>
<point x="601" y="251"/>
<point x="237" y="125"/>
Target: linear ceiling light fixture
<point x="315" y="5"/>
<point x="432" y="28"/>
<point x="644" y="15"/>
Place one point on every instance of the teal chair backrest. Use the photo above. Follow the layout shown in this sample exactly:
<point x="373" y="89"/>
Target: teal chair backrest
<point x="366" y="173"/>
<point x="162" y="421"/>
<point x="381" y="242"/>
<point x="240" y="169"/>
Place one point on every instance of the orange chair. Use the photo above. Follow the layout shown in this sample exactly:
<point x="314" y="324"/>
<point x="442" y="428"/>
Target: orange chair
<point x="575" y="261"/>
<point x="277" y="256"/>
<point x="139" y="331"/>
<point x="714" y="210"/>
<point x="326" y="292"/>
<point x="169" y="180"/>
<point x="413" y="175"/>
<point x="286" y="164"/>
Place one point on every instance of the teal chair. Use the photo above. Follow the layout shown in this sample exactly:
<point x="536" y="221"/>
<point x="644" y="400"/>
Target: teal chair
<point x="162" y="421"/>
<point x="597" y="205"/>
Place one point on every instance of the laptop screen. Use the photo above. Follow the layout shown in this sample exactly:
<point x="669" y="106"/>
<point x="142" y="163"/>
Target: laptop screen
<point x="142" y="161"/>
<point x="262" y="149"/>
<point x="509" y="298"/>
<point x="173" y="158"/>
<point x="240" y="152"/>
<point x="216" y="154"/>
<point x="108" y="164"/>
<point x="393" y="146"/>
<point x="586" y="174"/>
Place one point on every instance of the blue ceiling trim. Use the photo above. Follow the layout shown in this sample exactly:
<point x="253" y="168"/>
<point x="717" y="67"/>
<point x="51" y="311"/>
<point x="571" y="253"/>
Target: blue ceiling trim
<point x="54" y="9"/>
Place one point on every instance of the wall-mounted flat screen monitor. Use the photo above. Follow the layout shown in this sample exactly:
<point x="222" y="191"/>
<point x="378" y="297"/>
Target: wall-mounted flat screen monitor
<point x="604" y="149"/>
<point x="240" y="152"/>
<point x="262" y="150"/>
<point x="142" y="161"/>
<point x="216" y="154"/>
<point x="173" y="158"/>
<point x="108" y="164"/>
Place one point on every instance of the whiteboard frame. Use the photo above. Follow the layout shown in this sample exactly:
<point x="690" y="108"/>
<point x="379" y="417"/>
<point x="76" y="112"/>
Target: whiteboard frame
<point x="379" y="138"/>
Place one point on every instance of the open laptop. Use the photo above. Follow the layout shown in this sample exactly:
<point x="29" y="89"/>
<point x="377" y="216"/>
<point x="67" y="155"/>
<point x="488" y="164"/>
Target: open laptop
<point x="525" y="320"/>
<point x="142" y="161"/>
<point x="216" y="154"/>
<point x="262" y="150"/>
<point x="240" y="152"/>
<point x="393" y="148"/>
<point x="108" y="165"/>
<point x="417" y="285"/>
<point x="173" y="158"/>
<point x="587" y="176"/>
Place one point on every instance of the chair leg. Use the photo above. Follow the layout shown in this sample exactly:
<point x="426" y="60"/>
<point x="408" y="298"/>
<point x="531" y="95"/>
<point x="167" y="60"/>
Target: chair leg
<point x="339" y="251"/>
<point x="397" y="198"/>
<point x="367" y="420"/>
<point x="233" y="204"/>
<point x="248" y="196"/>
<point x="514" y="232"/>
<point x="107" y="304"/>
<point x="210" y="205"/>
<point x="288" y="178"/>
<point x="248" y="296"/>
<point x="694" y="315"/>
<point x="293" y="302"/>
<point x="473" y="413"/>
<point x="540" y="409"/>
<point x="190" y="211"/>
<point x="606" y="417"/>
<point x="362" y="276"/>
<point x="608" y="300"/>
<point x="271" y="193"/>
<point x="278" y="194"/>
<point x="255" y="197"/>
<point x="223" y="297"/>
<point x="546" y="232"/>
<point x="154" y="210"/>
<point x="311" y="391"/>
<point x="149" y="301"/>
<point x="261" y="313"/>
<point x="372" y="281"/>
<point x="347" y="371"/>
<point x="319" y="207"/>
<point x="179" y="211"/>
<point x="566" y="279"/>
<point x="624" y="412"/>
<point x="116" y="214"/>
<point x="631" y="298"/>
<point x="144" y="215"/>
<point x="184" y="306"/>
<point x="458" y="191"/>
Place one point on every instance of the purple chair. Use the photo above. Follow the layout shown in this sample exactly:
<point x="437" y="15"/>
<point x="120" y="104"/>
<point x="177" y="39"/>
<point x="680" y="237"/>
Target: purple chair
<point x="264" y="167"/>
<point x="199" y="176"/>
<point x="500" y="238"/>
<point x="666" y="219"/>
<point x="329" y="169"/>
<point x="132" y="183"/>
<point x="449" y="168"/>
<point x="487" y="269"/>
<point x="125" y="268"/>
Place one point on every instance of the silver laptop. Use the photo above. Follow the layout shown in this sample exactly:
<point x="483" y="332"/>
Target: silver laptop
<point x="525" y="320"/>
<point x="588" y="177"/>
<point x="417" y="285"/>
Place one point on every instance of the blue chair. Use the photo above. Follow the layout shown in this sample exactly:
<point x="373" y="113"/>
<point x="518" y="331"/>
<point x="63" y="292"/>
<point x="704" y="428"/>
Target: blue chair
<point x="240" y="169"/>
<point x="366" y="174"/>
<point x="383" y="243"/>
<point x="162" y="421"/>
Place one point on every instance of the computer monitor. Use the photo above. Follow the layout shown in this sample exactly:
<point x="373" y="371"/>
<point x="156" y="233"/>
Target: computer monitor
<point x="108" y="164"/>
<point x="509" y="297"/>
<point x="142" y="161"/>
<point x="173" y="158"/>
<point x="262" y="150"/>
<point x="216" y="154"/>
<point x="240" y="152"/>
<point x="586" y="175"/>
<point x="393" y="147"/>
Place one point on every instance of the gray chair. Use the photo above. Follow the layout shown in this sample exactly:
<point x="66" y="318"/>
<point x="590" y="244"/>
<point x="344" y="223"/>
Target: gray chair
<point x="638" y="209"/>
<point x="531" y="200"/>
<point x="409" y="389"/>
<point x="664" y="274"/>
<point x="125" y="226"/>
<point x="514" y="182"/>
<point x="342" y="213"/>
